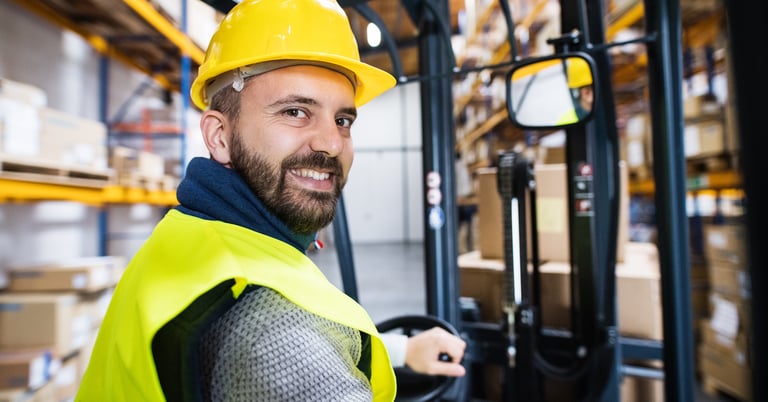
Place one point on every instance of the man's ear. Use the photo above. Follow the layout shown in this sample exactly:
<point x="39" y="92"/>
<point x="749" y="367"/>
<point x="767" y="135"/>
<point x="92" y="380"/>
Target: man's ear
<point x="216" y="135"/>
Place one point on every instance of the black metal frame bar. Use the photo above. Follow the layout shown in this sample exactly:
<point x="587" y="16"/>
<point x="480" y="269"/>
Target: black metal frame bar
<point x="438" y="142"/>
<point x="669" y="171"/>
<point x="746" y="24"/>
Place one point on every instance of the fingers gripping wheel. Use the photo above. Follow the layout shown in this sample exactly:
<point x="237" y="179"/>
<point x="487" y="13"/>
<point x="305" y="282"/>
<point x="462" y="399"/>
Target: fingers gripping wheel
<point x="412" y="386"/>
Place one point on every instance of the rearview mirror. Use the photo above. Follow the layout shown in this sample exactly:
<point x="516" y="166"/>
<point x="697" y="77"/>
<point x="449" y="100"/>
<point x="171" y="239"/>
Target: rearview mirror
<point x="551" y="92"/>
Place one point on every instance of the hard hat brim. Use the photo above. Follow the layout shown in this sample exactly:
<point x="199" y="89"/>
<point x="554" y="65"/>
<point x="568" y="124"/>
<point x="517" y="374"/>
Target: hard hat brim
<point x="370" y="81"/>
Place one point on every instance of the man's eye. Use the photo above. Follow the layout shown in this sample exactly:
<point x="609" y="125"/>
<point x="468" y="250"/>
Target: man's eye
<point x="344" y="122"/>
<point x="298" y="113"/>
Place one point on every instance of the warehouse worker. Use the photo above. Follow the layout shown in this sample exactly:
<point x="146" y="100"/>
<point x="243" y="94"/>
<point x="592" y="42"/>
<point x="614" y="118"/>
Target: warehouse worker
<point x="581" y="91"/>
<point x="221" y="302"/>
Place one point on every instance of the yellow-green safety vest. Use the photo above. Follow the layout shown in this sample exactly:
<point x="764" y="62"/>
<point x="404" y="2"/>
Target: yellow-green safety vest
<point x="185" y="257"/>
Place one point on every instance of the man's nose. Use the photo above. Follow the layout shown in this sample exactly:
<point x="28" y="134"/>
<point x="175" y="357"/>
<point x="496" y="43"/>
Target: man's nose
<point x="327" y="139"/>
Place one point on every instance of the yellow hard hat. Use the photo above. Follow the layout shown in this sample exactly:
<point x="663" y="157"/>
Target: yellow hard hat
<point x="261" y="35"/>
<point x="579" y="73"/>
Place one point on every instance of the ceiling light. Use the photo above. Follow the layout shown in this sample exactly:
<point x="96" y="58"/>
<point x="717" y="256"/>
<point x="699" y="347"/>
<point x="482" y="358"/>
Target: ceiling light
<point x="373" y="35"/>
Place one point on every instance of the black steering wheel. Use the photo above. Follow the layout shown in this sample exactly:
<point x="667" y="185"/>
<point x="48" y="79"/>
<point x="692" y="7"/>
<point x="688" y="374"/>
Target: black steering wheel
<point x="412" y="386"/>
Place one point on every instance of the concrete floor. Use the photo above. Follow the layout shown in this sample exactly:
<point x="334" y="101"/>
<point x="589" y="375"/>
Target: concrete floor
<point x="390" y="281"/>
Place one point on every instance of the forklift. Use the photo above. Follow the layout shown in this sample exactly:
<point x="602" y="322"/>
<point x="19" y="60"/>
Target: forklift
<point x="589" y="358"/>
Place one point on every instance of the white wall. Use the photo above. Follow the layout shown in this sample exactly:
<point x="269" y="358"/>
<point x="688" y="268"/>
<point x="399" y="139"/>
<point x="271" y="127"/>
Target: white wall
<point x="383" y="197"/>
<point x="67" y="68"/>
<point x="384" y="193"/>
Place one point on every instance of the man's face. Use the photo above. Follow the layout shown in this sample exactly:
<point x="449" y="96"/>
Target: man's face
<point x="292" y="143"/>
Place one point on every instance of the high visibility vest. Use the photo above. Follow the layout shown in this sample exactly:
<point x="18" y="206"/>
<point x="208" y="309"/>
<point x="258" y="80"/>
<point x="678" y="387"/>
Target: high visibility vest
<point x="568" y="117"/>
<point x="184" y="258"/>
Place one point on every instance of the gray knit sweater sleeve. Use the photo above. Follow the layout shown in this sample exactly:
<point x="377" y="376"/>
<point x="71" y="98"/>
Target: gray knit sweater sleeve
<point x="266" y="348"/>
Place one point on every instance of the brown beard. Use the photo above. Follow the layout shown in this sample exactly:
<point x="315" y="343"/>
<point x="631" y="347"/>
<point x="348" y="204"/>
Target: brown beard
<point x="303" y="211"/>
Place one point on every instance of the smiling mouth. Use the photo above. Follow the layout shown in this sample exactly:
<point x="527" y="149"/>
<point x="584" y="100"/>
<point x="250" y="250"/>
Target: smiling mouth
<point x="314" y="180"/>
<point x="311" y="174"/>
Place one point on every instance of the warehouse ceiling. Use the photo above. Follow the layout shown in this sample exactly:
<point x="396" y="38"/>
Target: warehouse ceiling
<point x="397" y="22"/>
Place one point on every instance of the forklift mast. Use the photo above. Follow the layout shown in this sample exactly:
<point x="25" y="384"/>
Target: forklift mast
<point x="593" y="235"/>
<point x="592" y="160"/>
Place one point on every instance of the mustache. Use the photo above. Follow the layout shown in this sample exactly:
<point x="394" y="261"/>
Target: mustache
<point x="315" y="160"/>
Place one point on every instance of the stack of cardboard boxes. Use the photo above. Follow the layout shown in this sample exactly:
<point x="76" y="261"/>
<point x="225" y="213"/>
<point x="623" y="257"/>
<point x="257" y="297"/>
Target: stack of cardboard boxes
<point x="49" y="316"/>
<point x="637" y="271"/>
<point x="724" y="350"/>
<point x="38" y="135"/>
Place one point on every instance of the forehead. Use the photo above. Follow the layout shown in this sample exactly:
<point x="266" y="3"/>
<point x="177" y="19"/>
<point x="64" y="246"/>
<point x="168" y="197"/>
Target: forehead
<point x="307" y="80"/>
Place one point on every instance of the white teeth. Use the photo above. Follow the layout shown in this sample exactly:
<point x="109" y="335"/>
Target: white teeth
<point x="313" y="174"/>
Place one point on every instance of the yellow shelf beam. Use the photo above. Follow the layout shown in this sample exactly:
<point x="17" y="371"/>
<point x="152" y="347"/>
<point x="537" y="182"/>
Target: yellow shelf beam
<point x="625" y="20"/>
<point x="27" y="191"/>
<point x="705" y="181"/>
<point x="18" y="190"/>
<point x="157" y="20"/>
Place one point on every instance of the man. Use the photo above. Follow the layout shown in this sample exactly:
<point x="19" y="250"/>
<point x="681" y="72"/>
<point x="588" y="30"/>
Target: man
<point x="221" y="303"/>
<point x="580" y="89"/>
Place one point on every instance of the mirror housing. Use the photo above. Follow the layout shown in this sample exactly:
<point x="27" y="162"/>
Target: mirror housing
<point x="552" y="92"/>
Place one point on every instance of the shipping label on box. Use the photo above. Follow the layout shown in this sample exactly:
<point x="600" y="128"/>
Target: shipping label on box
<point x="725" y="316"/>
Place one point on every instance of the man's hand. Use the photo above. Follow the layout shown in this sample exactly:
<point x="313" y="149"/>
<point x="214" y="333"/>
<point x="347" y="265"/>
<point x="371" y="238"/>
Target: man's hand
<point x="424" y="349"/>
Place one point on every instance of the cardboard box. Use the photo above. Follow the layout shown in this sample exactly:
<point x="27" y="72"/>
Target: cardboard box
<point x="72" y="140"/>
<point x="42" y="320"/>
<point x="94" y="305"/>
<point x="25" y="369"/>
<point x="637" y="289"/>
<point x="66" y="379"/>
<point x="704" y="138"/>
<point x="701" y="106"/>
<point x="552" y="214"/>
<point x="483" y="280"/>
<point x="82" y="274"/>
<point x="634" y="389"/>
<point x="19" y="128"/>
<point x="726" y="244"/>
<point x="720" y="372"/>
<point x="23" y="92"/>
<point x="638" y="295"/>
<point x="490" y="220"/>
<point x="729" y="281"/>
<point x="555" y="295"/>
<point x="734" y="346"/>
<point x="636" y="145"/>
<point x="46" y="393"/>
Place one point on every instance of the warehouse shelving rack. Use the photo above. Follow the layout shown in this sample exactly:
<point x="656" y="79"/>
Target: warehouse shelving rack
<point x="142" y="37"/>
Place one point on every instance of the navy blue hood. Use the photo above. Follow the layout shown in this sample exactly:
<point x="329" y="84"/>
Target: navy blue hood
<point x="211" y="191"/>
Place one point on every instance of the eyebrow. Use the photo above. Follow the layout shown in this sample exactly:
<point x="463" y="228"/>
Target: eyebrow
<point x="293" y="99"/>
